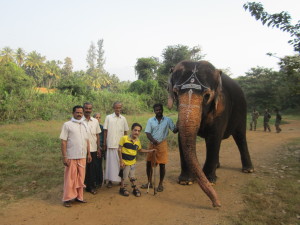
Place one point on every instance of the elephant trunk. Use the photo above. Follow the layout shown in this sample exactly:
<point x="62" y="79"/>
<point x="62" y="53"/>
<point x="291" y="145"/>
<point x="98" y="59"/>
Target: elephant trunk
<point x="189" y="119"/>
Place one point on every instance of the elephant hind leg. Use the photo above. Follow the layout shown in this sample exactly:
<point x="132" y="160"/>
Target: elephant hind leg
<point x="241" y="142"/>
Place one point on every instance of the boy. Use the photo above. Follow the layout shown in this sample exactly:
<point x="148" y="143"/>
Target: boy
<point x="128" y="147"/>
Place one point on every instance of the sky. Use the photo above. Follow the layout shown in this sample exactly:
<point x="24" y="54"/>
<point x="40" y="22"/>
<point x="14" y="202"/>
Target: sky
<point x="227" y="34"/>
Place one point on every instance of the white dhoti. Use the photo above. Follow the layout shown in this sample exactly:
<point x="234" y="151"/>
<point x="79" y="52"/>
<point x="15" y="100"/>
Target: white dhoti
<point x="112" y="165"/>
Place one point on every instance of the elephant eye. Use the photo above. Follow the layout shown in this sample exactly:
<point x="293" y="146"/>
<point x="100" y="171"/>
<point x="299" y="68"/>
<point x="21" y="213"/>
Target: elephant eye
<point x="206" y="97"/>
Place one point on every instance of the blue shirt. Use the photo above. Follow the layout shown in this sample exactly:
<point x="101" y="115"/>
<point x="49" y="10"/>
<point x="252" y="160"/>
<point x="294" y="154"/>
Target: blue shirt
<point x="159" y="129"/>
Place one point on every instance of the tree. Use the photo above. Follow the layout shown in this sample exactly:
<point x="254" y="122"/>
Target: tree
<point x="34" y="66"/>
<point x="7" y="55"/>
<point x="75" y="84"/>
<point x="151" y="89"/>
<point x="52" y="73"/>
<point x="96" y="76"/>
<point x="290" y="70"/>
<point x="146" y="68"/>
<point x="67" y="67"/>
<point x="100" y="56"/>
<point x="263" y="88"/>
<point x="13" y="79"/>
<point x="91" y="57"/>
<point x="173" y="55"/>
<point x="20" y="57"/>
<point x="280" y="20"/>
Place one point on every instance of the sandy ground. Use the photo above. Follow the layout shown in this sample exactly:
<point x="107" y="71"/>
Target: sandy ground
<point x="176" y="205"/>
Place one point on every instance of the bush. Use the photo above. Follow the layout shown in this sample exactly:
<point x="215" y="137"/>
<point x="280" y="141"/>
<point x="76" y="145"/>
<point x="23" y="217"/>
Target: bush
<point x="13" y="78"/>
<point x="29" y="104"/>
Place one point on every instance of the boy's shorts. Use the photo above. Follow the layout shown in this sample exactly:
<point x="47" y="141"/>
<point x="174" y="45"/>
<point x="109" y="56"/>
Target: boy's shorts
<point x="129" y="171"/>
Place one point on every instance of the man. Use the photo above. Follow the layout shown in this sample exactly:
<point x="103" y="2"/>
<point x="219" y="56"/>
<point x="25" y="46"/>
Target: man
<point x="99" y="175"/>
<point x="157" y="130"/>
<point x="75" y="148"/>
<point x="115" y="126"/>
<point x="254" y="117"/>
<point x="94" y="139"/>
<point x="277" y="121"/>
<point x="267" y="117"/>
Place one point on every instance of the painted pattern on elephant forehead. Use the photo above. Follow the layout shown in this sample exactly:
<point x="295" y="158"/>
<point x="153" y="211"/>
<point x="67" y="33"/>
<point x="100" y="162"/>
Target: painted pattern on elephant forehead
<point x="189" y="106"/>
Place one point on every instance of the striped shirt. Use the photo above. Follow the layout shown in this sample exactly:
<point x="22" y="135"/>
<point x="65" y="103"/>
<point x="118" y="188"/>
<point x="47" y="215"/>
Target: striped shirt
<point x="129" y="149"/>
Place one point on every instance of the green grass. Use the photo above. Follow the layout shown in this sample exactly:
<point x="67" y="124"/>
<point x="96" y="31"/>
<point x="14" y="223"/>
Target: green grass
<point x="273" y="198"/>
<point x="30" y="157"/>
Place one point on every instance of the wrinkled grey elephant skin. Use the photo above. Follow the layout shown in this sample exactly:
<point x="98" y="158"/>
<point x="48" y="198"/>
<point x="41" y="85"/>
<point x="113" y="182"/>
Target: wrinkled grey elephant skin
<point x="210" y="105"/>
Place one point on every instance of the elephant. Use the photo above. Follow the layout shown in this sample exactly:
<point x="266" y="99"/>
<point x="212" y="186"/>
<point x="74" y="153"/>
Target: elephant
<point x="210" y="105"/>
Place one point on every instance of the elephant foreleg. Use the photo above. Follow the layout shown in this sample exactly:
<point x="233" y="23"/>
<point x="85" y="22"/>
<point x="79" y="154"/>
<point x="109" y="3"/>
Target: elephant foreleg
<point x="186" y="176"/>
<point x="212" y="158"/>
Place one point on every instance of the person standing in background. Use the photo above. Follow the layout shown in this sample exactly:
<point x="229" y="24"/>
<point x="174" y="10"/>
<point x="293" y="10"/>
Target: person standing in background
<point x="267" y="117"/>
<point x="278" y="121"/>
<point x="254" y="117"/>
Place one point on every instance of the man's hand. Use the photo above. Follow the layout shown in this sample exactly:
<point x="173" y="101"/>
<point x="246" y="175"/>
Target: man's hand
<point x="99" y="153"/>
<point x="122" y="165"/>
<point x="155" y="142"/>
<point x="66" y="161"/>
<point x="89" y="158"/>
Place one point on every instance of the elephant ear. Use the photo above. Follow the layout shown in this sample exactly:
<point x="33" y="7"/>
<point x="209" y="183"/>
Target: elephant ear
<point x="218" y="80"/>
<point x="171" y="93"/>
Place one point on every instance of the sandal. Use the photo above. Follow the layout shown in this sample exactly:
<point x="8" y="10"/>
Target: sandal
<point x="124" y="192"/>
<point x="80" y="201"/>
<point x="160" y="188"/>
<point x="67" y="204"/>
<point x="109" y="185"/>
<point x="145" y="186"/>
<point x="136" y="192"/>
<point x="93" y="191"/>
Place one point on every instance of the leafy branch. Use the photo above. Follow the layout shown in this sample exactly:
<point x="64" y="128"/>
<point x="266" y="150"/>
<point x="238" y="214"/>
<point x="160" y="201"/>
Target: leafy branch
<point x="280" y="20"/>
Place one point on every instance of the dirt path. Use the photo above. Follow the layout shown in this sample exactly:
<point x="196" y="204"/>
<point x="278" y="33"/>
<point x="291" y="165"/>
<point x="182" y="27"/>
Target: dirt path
<point x="177" y="205"/>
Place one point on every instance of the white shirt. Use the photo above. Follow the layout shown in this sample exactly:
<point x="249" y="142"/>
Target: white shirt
<point x="76" y="135"/>
<point x="93" y="130"/>
<point x="115" y="126"/>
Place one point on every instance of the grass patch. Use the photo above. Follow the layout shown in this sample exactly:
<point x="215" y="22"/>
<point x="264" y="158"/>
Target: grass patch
<point x="274" y="199"/>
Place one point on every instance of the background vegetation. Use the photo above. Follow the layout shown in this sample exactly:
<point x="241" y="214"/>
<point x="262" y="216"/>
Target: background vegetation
<point x="32" y="87"/>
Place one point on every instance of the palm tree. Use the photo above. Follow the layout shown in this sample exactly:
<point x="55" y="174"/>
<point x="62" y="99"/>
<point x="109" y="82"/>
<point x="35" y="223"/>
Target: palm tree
<point x="20" y="56"/>
<point x="53" y="73"/>
<point x="34" y="66"/>
<point x="7" y="55"/>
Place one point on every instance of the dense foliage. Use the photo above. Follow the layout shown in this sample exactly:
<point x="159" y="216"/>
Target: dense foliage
<point x="265" y="88"/>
